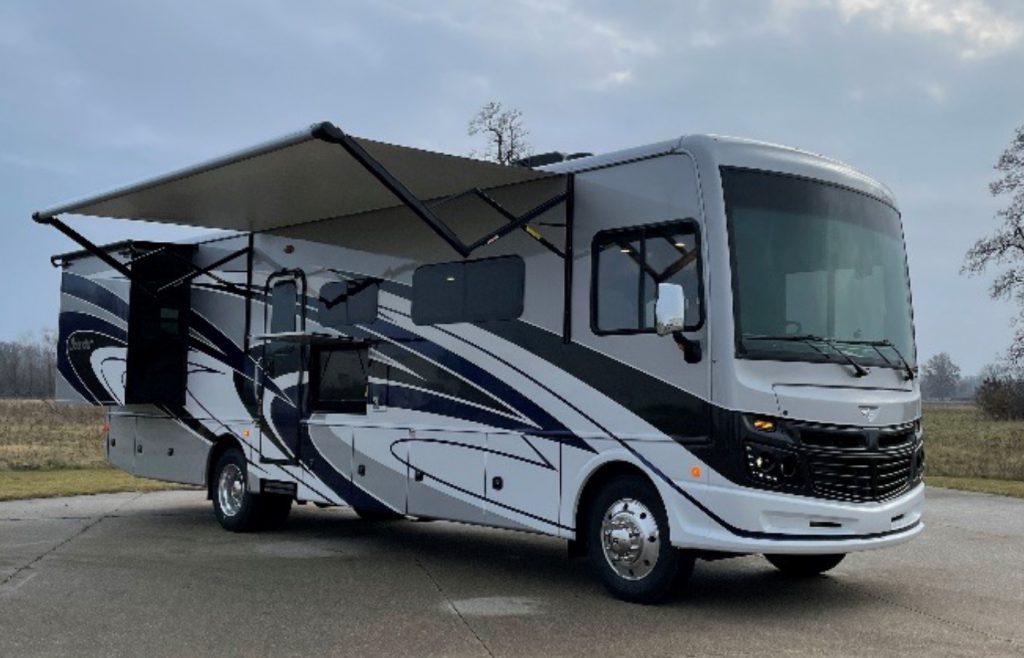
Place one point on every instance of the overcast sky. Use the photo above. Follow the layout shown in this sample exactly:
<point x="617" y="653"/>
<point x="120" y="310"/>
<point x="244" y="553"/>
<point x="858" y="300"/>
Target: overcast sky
<point x="922" y="94"/>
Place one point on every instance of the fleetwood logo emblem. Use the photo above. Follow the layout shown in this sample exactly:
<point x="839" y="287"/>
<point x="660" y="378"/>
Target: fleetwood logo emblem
<point x="870" y="413"/>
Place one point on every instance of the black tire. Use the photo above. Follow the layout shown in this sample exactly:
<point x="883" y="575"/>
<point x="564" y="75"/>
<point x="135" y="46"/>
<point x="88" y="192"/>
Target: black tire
<point x="670" y="566"/>
<point x="245" y="517"/>
<point x="244" y="511"/>
<point x="805" y="566"/>
<point x="374" y="514"/>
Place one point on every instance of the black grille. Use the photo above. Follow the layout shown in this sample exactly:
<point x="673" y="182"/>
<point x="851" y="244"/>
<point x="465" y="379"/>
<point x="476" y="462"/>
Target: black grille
<point x="861" y="476"/>
<point x="859" y="464"/>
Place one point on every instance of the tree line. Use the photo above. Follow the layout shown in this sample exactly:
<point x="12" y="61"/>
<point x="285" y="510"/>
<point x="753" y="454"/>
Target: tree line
<point x="28" y="367"/>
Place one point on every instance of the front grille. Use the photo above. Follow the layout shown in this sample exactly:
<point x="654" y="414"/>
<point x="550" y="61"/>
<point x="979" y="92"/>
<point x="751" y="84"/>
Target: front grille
<point x="859" y="465"/>
<point x="861" y="477"/>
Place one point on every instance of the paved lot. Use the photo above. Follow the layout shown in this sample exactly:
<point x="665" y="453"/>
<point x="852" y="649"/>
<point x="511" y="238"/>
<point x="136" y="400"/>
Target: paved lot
<point x="153" y="574"/>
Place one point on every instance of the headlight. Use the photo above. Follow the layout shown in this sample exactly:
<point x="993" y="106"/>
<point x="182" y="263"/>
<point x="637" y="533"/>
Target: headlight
<point x="772" y="466"/>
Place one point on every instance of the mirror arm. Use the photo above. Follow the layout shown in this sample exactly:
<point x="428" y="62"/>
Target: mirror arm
<point x="691" y="348"/>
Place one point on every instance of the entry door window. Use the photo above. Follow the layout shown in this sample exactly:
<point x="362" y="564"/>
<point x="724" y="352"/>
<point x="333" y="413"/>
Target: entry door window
<point x="283" y="307"/>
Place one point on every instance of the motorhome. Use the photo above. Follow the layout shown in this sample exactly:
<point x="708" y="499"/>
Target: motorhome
<point x="698" y="348"/>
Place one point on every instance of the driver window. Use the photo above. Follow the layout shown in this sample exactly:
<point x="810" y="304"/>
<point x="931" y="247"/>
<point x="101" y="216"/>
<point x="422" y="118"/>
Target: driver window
<point x="628" y="266"/>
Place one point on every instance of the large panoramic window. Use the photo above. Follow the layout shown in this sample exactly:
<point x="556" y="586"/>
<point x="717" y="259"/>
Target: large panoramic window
<point x="628" y="266"/>
<point x="816" y="267"/>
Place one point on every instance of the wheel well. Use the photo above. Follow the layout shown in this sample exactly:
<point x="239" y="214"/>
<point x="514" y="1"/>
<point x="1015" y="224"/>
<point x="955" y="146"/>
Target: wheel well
<point x="597" y="480"/>
<point x="223" y="444"/>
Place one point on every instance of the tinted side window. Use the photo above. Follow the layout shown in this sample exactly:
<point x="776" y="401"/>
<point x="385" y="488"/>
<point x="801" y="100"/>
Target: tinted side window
<point x="628" y="266"/>
<point x="348" y="302"/>
<point x="469" y="291"/>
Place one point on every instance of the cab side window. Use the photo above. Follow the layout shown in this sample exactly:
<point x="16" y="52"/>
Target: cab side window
<point x="628" y="265"/>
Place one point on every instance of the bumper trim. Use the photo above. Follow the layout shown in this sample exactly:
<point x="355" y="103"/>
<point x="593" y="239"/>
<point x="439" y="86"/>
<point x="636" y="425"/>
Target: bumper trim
<point x="781" y="536"/>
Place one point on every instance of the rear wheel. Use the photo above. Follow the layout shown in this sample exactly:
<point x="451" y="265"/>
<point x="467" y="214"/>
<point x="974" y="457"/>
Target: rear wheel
<point x="237" y="509"/>
<point x="629" y="543"/>
<point x="805" y="566"/>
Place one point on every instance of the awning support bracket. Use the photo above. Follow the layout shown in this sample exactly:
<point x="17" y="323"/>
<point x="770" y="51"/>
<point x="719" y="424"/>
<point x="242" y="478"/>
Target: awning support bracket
<point x="124" y="268"/>
<point x="332" y="134"/>
<point x="91" y="247"/>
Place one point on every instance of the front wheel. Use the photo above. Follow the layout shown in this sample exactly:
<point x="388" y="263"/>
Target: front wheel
<point x="629" y="542"/>
<point x="805" y="566"/>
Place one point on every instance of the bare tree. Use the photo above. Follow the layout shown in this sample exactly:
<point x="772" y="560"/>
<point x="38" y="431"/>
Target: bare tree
<point x="1004" y="249"/>
<point x="28" y="367"/>
<point x="940" y="378"/>
<point x="504" y="131"/>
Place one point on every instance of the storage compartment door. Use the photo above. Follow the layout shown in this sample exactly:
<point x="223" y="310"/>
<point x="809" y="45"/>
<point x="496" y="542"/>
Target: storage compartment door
<point x="379" y="467"/>
<point x="446" y="476"/>
<point x="522" y="481"/>
<point x="167" y="450"/>
<point x="121" y="442"/>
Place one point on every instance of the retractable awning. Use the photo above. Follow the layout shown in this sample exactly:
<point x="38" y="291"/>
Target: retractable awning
<point x="316" y="174"/>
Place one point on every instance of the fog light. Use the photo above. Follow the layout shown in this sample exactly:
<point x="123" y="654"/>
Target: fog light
<point x="764" y="425"/>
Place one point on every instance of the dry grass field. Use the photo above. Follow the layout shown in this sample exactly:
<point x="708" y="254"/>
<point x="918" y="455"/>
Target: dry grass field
<point x="54" y="450"/>
<point x="50" y="450"/>
<point x="37" y="435"/>
<point x="961" y="442"/>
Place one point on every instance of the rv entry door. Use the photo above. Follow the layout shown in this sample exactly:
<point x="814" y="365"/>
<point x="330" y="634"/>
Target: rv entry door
<point x="281" y="388"/>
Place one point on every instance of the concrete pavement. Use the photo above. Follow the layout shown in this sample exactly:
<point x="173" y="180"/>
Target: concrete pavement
<point x="153" y="574"/>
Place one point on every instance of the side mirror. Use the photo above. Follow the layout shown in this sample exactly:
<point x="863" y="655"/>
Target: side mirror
<point x="670" y="309"/>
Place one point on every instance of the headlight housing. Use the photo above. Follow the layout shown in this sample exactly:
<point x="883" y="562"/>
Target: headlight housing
<point x="774" y="467"/>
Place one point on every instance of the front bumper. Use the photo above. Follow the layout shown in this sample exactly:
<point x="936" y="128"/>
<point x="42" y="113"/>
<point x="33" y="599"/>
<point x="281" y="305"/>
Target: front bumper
<point x="743" y="520"/>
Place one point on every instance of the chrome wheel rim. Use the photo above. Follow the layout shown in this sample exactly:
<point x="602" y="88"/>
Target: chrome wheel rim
<point x="231" y="489"/>
<point x="630" y="539"/>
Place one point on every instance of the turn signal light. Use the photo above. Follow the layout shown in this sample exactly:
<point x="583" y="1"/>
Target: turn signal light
<point x="764" y="425"/>
<point x="695" y="472"/>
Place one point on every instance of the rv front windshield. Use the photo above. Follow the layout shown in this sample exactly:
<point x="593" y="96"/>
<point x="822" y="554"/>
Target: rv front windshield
<point x="815" y="261"/>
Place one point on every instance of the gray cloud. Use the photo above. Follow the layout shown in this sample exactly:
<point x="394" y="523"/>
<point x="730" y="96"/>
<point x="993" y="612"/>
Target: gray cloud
<point x="922" y="94"/>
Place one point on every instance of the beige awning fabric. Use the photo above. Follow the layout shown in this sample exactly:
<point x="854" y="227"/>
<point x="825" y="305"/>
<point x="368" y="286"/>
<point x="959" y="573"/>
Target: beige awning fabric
<point x="315" y="174"/>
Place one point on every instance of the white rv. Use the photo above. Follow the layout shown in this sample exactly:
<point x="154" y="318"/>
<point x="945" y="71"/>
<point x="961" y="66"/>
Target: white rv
<point x="693" y="349"/>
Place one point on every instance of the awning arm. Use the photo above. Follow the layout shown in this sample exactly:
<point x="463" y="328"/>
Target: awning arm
<point x="91" y="247"/>
<point x="330" y="133"/>
<point x="123" y="268"/>
<point x="208" y="271"/>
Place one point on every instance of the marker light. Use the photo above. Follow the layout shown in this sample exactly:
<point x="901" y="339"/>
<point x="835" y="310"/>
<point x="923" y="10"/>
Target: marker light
<point x="245" y="433"/>
<point x="764" y="425"/>
<point x="695" y="472"/>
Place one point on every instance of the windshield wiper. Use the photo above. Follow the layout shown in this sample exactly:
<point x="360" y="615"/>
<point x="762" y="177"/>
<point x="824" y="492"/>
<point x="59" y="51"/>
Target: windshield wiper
<point x="809" y="340"/>
<point x="885" y="342"/>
